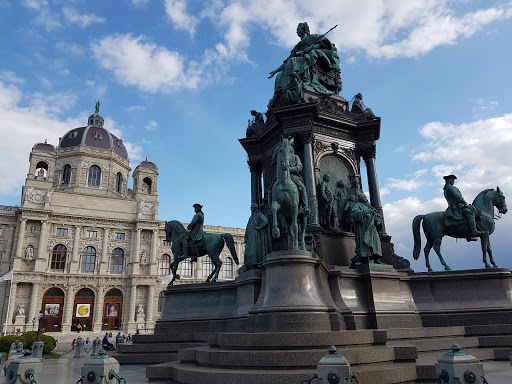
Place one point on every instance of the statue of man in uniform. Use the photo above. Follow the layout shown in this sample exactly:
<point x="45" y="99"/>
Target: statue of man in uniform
<point x="195" y="230"/>
<point x="458" y="209"/>
<point x="295" y="170"/>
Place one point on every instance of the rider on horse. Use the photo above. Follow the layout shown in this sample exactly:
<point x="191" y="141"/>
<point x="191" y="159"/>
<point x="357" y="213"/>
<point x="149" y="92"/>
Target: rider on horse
<point x="458" y="209"/>
<point x="195" y="230"/>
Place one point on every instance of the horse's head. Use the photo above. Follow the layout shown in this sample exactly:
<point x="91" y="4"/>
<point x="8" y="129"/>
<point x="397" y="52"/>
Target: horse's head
<point x="168" y="231"/>
<point x="499" y="201"/>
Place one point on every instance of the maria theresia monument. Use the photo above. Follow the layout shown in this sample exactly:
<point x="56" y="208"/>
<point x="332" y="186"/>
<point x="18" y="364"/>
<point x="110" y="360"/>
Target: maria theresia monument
<point x="319" y="265"/>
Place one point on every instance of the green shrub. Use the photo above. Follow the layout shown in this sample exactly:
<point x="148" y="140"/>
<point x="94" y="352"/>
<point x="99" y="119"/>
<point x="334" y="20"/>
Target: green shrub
<point x="49" y="342"/>
<point x="6" y="341"/>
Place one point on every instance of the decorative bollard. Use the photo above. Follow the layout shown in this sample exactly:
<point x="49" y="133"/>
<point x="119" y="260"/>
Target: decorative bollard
<point x="37" y="349"/>
<point x="101" y="369"/>
<point x="23" y="370"/>
<point x="79" y="349"/>
<point x="457" y="367"/>
<point x="17" y="353"/>
<point x="333" y="368"/>
<point x="96" y="346"/>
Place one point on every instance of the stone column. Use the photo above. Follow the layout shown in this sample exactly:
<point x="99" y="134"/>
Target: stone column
<point x="12" y="307"/>
<point x="131" y="311"/>
<point x="152" y="257"/>
<point x="67" y="314"/>
<point x="73" y="263"/>
<point x="21" y="237"/>
<point x="98" y="310"/>
<point x="136" y="251"/>
<point x="309" y="180"/>
<point x="149" y="312"/>
<point x="33" y="303"/>
<point x="373" y="184"/>
<point x="255" y="167"/>
<point x="104" y="261"/>
<point x="41" y="251"/>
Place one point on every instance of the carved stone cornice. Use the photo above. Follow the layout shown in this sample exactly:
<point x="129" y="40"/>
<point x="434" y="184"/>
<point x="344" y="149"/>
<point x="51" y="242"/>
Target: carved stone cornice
<point x="367" y="152"/>
<point x="254" y="165"/>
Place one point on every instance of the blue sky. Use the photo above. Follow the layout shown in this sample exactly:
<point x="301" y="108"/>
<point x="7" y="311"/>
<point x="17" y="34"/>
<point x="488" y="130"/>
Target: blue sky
<point x="177" y="79"/>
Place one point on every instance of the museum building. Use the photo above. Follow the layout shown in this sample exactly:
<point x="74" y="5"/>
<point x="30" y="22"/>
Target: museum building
<point x="83" y="247"/>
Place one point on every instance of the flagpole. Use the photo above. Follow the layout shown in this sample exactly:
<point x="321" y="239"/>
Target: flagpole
<point x="8" y="303"/>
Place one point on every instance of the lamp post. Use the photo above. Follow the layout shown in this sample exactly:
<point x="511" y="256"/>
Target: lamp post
<point x="41" y="314"/>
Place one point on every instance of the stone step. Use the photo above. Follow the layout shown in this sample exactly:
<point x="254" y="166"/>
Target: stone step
<point x="305" y="358"/>
<point x="291" y="340"/>
<point x="417" y="333"/>
<point x="155" y="347"/>
<point x="502" y="353"/>
<point x="495" y="341"/>
<point x="150" y="358"/>
<point x="170" y="338"/>
<point x="442" y="343"/>
<point x="188" y="373"/>
<point x="494" y="329"/>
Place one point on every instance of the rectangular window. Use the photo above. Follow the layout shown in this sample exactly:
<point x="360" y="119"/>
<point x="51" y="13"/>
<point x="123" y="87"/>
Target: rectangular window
<point x="62" y="231"/>
<point x="92" y="234"/>
<point x="1" y="229"/>
<point x="119" y="236"/>
<point x="166" y="243"/>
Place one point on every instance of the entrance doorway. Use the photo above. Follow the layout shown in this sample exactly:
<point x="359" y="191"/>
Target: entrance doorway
<point x="52" y="307"/>
<point x="83" y="309"/>
<point x="112" y="309"/>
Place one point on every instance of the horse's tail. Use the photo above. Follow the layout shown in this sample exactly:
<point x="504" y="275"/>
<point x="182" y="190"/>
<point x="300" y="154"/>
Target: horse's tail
<point x="417" y="237"/>
<point x="228" y="239"/>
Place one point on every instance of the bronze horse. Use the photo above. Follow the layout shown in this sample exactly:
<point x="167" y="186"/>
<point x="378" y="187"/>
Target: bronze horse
<point x="211" y="246"/>
<point x="434" y="227"/>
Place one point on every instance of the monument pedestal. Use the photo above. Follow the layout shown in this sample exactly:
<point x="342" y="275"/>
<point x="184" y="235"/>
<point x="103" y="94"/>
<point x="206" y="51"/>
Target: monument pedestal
<point x="19" y="323"/>
<point x="294" y="296"/>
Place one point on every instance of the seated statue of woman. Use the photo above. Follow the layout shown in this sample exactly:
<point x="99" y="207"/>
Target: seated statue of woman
<point x="297" y="71"/>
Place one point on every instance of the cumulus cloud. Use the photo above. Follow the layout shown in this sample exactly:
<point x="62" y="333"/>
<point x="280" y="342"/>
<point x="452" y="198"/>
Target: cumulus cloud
<point x="151" y="125"/>
<point x="478" y="153"/>
<point x="177" y="12"/>
<point x="72" y="16"/>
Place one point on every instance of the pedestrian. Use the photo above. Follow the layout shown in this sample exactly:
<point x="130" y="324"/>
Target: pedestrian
<point x="129" y="338"/>
<point x="87" y="341"/>
<point x="73" y="344"/>
<point x="110" y="334"/>
<point x="79" y="327"/>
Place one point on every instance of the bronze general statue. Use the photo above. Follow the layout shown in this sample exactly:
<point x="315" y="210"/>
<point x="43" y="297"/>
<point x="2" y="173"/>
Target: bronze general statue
<point x="327" y="213"/>
<point x="451" y="223"/>
<point x="313" y="63"/>
<point x="366" y="222"/>
<point x="257" y="238"/>
<point x="286" y="196"/>
<point x="458" y="209"/>
<point x="195" y="231"/>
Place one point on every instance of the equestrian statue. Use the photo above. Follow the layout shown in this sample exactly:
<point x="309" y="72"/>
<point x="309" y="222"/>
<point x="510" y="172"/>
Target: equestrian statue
<point x="289" y="195"/>
<point x="195" y="243"/>
<point x="460" y="220"/>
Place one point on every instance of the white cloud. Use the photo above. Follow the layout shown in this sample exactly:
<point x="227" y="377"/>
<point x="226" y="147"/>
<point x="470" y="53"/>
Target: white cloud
<point x="10" y="77"/>
<point x="151" y="125"/>
<point x="71" y="48"/>
<point x="145" y="65"/>
<point x="400" y="149"/>
<point x="406" y="185"/>
<point x="133" y="108"/>
<point x="139" y="3"/>
<point x="72" y="16"/>
<point x="177" y="12"/>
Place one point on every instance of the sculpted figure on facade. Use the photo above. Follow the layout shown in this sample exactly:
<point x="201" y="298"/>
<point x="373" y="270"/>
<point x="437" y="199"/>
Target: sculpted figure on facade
<point x="301" y="69"/>
<point x="327" y="212"/>
<point x="340" y="200"/>
<point x="21" y="310"/>
<point x="29" y="252"/>
<point x="257" y="238"/>
<point x="255" y="124"/>
<point x="144" y="257"/>
<point x="366" y="221"/>
<point x="359" y="107"/>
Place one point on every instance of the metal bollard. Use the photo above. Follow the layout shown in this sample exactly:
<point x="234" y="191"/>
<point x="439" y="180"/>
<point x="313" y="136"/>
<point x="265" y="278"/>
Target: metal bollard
<point x="101" y="369"/>
<point x="96" y="346"/>
<point x="23" y="370"/>
<point x="79" y="349"/>
<point x="37" y="349"/>
<point x="333" y="368"/>
<point x="459" y="367"/>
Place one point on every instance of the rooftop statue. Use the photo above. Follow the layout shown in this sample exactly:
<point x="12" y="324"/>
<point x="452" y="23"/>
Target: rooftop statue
<point x="313" y="63"/>
<point x="359" y="107"/>
<point x="287" y="197"/>
<point x="97" y="107"/>
<point x="256" y="124"/>
<point x="455" y="223"/>
<point x="211" y="245"/>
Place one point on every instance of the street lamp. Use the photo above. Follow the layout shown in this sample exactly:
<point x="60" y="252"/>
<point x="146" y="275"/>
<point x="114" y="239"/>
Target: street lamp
<point x="41" y="314"/>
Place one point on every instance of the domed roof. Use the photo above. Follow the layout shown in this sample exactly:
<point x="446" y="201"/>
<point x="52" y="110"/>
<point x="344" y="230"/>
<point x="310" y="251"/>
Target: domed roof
<point x="148" y="164"/>
<point x="94" y="136"/>
<point x="44" y="146"/>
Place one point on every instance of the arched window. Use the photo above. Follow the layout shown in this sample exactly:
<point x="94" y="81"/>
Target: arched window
<point x="117" y="261"/>
<point x="88" y="259"/>
<point x="58" y="257"/>
<point x="207" y="267"/>
<point x="228" y="268"/>
<point x="186" y="268"/>
<point x="41" y="170"/>
<point x="94" y="175"/>
<point x="164" y="265"/>
<point x="161" y="301"/>
<point x="146" y="185"/>
<point x="66" y="174"/>
<point x="119" y="182"/>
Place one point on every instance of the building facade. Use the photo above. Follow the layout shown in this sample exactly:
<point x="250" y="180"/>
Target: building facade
<point x="83" y="247"/>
